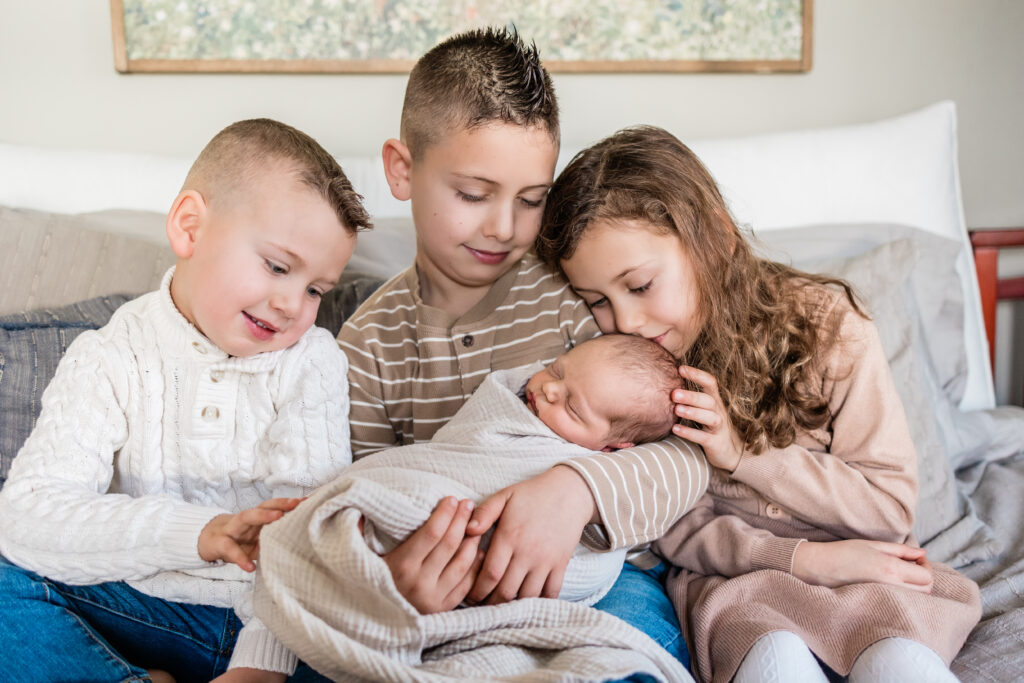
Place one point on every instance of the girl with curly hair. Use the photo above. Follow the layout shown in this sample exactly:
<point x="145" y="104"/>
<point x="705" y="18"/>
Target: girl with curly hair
<point x="799" y="563"/>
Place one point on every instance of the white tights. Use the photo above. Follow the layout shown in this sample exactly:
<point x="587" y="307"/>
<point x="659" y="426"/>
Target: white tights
<point x="782" y="656"/>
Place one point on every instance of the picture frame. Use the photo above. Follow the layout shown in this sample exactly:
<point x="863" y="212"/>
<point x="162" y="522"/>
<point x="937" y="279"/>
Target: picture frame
<point x="387" y="36"/>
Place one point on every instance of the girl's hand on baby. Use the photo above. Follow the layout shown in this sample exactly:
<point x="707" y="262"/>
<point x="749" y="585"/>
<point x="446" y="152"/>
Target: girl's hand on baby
<point x="236" y="538"/>
<point x="859" y="561"/>
<point x="722" y="446"/>
<point x="435" y="567"/>
<point x="540" y="522"/>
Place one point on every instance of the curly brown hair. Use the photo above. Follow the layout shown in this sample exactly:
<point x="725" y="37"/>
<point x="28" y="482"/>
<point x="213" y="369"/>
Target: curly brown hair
<point x="763" y="333"/>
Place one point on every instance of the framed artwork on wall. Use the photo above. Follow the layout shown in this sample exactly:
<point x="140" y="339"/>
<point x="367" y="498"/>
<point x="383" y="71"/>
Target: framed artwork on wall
<point x="387" y="36"/>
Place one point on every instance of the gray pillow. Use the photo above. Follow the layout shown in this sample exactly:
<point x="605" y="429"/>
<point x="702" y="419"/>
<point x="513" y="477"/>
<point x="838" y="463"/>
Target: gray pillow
<point x="911" y="290"/>
<point x="50" y="259"/>
<point x="32" y="343"/>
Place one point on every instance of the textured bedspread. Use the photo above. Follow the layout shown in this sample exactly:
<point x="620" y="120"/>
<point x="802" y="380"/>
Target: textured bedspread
<point x="326" y="593"/>
<point x="991" y="473"/>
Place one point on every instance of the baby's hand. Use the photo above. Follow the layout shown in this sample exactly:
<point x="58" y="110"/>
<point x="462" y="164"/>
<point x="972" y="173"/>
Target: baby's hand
<point x="722" y="446"/>
<point x="858" y="561"/>
<point x="236" y="538"/>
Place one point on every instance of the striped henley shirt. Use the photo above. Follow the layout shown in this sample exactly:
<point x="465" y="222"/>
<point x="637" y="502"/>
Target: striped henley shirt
<point x="412" y="366"/>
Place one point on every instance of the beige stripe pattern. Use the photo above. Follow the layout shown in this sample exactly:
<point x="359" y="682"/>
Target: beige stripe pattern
<point x="411" y="367"/>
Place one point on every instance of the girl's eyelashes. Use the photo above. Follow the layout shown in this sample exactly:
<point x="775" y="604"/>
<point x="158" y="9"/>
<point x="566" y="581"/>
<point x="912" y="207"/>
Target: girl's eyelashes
<point x="532" y="203"/>
<point x="471" y="198"/>
<point x="642" y="288"/>
<point x="314" y="292"/>
<point x="599" y="302"/>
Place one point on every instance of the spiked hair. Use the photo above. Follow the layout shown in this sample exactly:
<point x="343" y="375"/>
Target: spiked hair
<point x="475" y="78"/>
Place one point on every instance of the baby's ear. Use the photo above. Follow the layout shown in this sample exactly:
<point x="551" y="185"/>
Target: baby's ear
<point x="397" y="167"/>
<point x="616" y="446"/>
<point x="183" y="222"/>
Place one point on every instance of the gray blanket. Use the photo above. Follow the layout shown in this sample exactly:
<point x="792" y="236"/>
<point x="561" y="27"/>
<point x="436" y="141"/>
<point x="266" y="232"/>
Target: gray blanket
<point x="326" y="593"/>
<point x="991" y="474"/>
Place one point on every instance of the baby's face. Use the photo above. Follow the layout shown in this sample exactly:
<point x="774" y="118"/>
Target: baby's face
<point x="261" y="264"/>
<point x="577" y="396"/>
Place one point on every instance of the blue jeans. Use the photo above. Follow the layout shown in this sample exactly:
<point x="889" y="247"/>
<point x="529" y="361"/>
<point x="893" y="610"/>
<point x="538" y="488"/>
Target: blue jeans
<point x="108" y="632"/>
<point x="639" y="599"/>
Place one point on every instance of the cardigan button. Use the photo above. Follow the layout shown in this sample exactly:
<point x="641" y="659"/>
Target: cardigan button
<point x="216" y="376"/>
<point x="199" y="347"/>
<point x="467" y="341"/>
<point x="774" y="511"/>
<point x="210" y="413"/>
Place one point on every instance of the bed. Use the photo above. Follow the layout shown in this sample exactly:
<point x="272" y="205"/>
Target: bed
<point x="877" y="203"/>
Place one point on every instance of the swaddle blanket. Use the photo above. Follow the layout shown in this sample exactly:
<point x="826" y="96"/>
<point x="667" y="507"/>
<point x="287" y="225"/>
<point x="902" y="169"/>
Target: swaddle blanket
<point x="328" y="596"/>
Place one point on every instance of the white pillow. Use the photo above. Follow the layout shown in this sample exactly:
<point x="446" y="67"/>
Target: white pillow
<point x="901" y="170"/>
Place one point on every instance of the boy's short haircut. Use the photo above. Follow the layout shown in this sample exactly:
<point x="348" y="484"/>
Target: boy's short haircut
<point x="651" y="366"/>
<point x="474" y="78"/>
<point x="236" y="155"/>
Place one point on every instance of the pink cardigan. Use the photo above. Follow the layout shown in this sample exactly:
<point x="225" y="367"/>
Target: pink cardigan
<point x="854" y="478"/>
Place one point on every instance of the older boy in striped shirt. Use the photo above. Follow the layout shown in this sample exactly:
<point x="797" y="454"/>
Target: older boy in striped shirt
<point x="479" y="142"/>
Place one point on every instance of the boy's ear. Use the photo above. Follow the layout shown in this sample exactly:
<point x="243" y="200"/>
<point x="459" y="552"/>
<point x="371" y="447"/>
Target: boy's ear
<point x="183" y="221"/>
<point x="397" y="167"/>
<point x="616" y="446"/>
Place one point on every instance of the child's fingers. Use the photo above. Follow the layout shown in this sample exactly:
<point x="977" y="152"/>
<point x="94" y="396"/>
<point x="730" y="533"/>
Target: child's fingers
<point x="533" y="585"/>
<point x="448" y="545"/>
<point x="493" y="570"/>
<point x="510" y="585"/>
<point x="231" y="552"/>
<point x="900" y="550"/>
<point x="553" y="583"/>
<point x="422" y="541"/>
<point x="282" y="504"/>
<point x="457" y="570"/>
<point x="709" y="418"/>
<point x="696" y="399"/>
<point x="704" y="379"/>
<point x="253" y="517"/>
<point x="458" y="594"/>
<point x="487" y="513"/>
<point x="698" y="436"/>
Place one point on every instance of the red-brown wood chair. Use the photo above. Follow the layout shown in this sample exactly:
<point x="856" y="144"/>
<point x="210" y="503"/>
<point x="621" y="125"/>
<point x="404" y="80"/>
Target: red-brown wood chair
<point x="986" y="244"/>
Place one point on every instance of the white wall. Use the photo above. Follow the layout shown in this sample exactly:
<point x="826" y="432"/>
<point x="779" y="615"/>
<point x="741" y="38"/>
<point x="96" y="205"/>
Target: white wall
<point x="872" y="59"/>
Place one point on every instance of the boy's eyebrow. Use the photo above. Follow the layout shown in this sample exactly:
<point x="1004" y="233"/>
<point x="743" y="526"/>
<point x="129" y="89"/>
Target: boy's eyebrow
<point x="291" y="254"/>
<point x="482" y="179"/>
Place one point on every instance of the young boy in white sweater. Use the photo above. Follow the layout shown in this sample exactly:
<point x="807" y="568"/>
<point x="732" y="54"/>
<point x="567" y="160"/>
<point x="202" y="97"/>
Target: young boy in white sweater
<point x="201" y="412"/>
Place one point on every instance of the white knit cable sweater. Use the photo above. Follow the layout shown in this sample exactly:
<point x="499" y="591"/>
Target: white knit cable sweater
<point x="147" y="432"/>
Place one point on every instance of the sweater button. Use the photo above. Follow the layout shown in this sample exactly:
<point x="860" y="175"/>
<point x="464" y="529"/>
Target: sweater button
<point x="210" y="413"/>
<point x="467" y="341"/>
<point x="199" y="347"/>
<point x="216" y="376"/>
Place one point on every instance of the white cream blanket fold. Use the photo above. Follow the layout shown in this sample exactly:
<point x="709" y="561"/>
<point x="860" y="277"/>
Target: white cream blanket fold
<point x="328" y="596"/>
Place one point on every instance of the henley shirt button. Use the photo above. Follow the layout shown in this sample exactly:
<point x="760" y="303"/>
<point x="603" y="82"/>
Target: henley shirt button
<point x="467" y="341"/>
<point x="199" y="347"/>
<point x="210" y="413"/>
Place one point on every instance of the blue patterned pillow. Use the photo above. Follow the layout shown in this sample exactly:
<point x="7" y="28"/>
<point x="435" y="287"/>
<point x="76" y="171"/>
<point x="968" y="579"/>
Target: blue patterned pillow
<point x="31" y="345"/>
